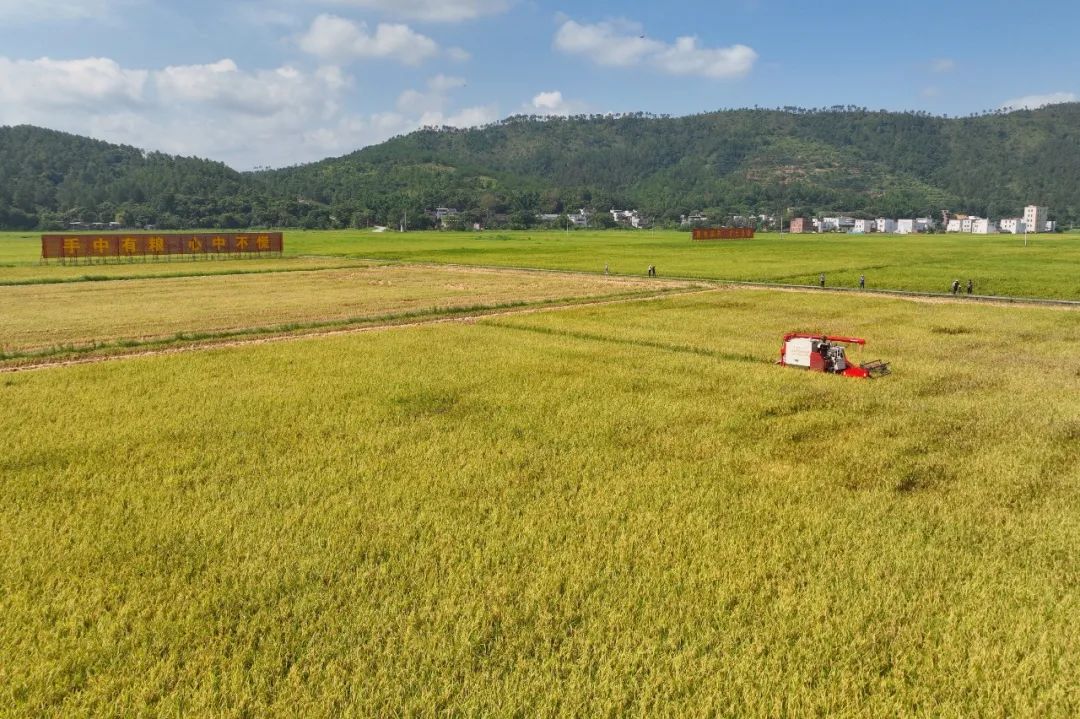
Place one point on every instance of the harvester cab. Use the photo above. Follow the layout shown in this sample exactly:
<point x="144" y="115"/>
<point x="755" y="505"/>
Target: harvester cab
<point x="825" y="353"/>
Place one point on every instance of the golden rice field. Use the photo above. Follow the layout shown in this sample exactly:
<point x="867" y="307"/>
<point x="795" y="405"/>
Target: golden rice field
<point x="74" y="315"/>
<point x="599" y="511"/>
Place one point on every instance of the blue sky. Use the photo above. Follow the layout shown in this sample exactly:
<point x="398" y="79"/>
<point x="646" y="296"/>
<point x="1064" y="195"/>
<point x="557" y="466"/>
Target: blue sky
<point x="279" y="82"/>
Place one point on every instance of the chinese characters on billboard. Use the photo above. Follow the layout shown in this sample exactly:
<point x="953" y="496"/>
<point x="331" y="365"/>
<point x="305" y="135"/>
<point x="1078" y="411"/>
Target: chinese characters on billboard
<point x="723" y="233"/>
<point x="160" y="246"/>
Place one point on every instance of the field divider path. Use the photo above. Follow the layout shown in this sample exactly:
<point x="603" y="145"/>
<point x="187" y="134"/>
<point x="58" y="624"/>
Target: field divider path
<point x="182" y="274"/>
<point x="467" y="317"/>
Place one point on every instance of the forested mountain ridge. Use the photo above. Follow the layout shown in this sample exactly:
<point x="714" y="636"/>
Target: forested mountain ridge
<point x="729" y="162"/>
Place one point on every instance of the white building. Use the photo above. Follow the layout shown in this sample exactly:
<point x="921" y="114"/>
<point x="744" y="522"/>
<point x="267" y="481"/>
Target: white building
<point x="924" y="224"/>
<point x="694" y="219"/>
<point x="840" y="223"/>
<point x="1035" y="218"/>
<point x="630" y="217"/>
<point x="863" y="227"/>
<point x="1013" y="226"/>
<point x="580" y="218"/>
<point x="1051" y="226"/>
<point x="884" y="224"/>
<point x="983" y="227"/>
<point x="905" y="227"/>
<point x="953" y="225"/>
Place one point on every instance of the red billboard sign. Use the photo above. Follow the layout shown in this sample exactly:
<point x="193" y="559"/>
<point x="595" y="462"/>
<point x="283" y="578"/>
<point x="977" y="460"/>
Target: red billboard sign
<point x="168" y="245"/>
<point x="723" y="233"/>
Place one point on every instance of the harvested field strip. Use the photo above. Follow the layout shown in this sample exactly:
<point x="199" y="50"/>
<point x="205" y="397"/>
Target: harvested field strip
<point x="68" y="317"/>
<point x="128" y="349"/>
<point x="330" y="264"/>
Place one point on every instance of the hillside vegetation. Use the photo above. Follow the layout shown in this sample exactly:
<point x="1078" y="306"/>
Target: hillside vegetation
<point x="730" y="162"/>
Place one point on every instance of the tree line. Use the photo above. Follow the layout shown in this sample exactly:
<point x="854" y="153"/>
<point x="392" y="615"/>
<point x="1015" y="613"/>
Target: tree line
<point x="736" y="162"/>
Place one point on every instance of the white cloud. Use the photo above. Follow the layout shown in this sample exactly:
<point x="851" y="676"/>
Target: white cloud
<point x="458" y="54"/>
<point x="218" y="110"/>
<point x="432" y="105"/>
<point x="553" y="103"/>
<point x="69" y="83"/>
<point x="1033" y="102"/>
<point x="48" y="10"/>
<point x="445" y="83"/>
<point x="432" y="10"/>
<point x="337" y="39"/>
<point x="467" y="117"/>
<point x="615" y="44"/>
<point x="548" y="100"/>
<point x="943" y="65"/>
<point x="432" y="102"/>
<point x="223" y="85"/>
<point x="624" y="44"/>
<point x="686" y="58"/>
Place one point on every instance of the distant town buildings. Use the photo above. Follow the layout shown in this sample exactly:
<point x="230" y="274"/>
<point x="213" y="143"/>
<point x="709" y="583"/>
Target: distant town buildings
<point x="628" y="217"/>
<point x="1035" y="218"/>
<point x="580" y="218"/>
<point x="1013" y="226"/>
<point x="835" y="224"/>
<point x="971" y="225"/>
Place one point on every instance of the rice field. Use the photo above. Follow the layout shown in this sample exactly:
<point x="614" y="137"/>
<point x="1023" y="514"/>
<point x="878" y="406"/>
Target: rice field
<point x="598" y="511"/>
<point x="75" y="315"/>
<point x="997" y="264"/>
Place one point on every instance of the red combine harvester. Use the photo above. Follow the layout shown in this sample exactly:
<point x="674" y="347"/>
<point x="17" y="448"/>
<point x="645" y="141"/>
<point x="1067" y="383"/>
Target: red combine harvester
<point x="822" y="353"/>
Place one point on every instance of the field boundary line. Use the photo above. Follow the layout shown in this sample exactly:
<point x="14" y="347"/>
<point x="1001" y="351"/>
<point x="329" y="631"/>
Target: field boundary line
<point x="183" y="275"/>
<point x="229" y="343"/>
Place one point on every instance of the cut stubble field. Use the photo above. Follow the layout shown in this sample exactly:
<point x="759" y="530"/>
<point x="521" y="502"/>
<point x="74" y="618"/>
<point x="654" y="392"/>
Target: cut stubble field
<point x="604" y="510"/>
<point x="67" y="317"/>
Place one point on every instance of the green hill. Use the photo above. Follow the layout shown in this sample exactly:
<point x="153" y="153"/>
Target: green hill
<point x="730" y="162"/>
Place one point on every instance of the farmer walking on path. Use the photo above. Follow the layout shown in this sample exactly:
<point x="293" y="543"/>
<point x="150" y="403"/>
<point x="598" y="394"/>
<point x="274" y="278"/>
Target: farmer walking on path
<point x="821" y="280"/>
<point x="862" y="282"/>
<point x="971" y="287"/>
<point x="955" y="286"/>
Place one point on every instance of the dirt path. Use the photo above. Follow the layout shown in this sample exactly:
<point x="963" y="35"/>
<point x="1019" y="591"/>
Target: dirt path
<point x="199" y="346"/>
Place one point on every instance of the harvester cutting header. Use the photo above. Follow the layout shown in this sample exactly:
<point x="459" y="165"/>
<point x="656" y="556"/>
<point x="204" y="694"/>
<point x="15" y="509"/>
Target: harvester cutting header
<point x="825" y="353"/>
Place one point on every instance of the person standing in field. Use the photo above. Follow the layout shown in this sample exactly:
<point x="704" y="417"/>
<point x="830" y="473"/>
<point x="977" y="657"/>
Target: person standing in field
<point x="652" y="271"/>
<point x="821" y="280"/>
<point x="862" y="282"/>
<point x="606" y="270"/>
<point x="955" y="286"/>
<point x="971" y="287"/>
